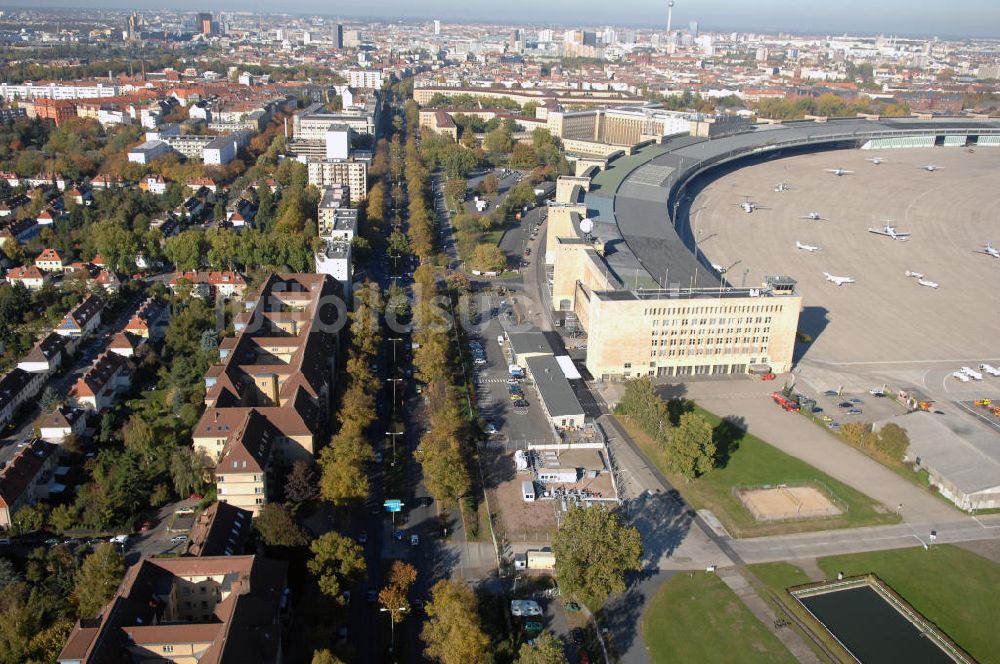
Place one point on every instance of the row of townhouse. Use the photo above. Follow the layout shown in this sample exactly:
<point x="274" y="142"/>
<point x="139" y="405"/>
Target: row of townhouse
<point x="26" y="381"/>
<point x="50" y="264"/>
<point x="268" y="400"/>
<point x="209" y="284"/>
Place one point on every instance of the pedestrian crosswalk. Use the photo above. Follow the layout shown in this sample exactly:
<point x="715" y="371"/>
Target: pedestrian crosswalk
<point x="484" y="379"/>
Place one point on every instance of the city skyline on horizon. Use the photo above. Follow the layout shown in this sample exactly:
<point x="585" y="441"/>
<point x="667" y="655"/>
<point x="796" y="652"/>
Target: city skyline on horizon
<point x="849" y="17"/>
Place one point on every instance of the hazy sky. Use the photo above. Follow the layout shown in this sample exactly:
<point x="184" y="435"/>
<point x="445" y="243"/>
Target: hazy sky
<point x="917" y="17"/>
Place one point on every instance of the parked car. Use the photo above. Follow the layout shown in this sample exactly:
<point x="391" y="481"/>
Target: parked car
<point x="363" y="537"/>
<point x="371" y="595"/>
<point x="414" y="540"/>
<point x="521" y="403"/>
<point x="491" y="428"/>
<point x="177" y="539"/>
<point x="525" y="607"/>
<point x="845" y="404"/>
<point x="854" y="411"/>
<point x="146" y="526"/>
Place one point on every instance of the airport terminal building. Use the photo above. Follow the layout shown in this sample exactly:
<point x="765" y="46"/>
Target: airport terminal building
<point x="623" y="259"/>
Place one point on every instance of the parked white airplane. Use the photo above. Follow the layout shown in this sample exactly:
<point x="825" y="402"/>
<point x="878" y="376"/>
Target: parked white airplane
<point x="749" y="206"/>
<point x="971" y="373"/>
<point x="931" y="168"/>
<point x="911" y="273"/>
<point x="961" y="376"/>
<point x="989" y="250"/>
<point x="814" y="216"/>
<point x="811" y="248"/>
<point x="928" y="283"/>
<point x="840" y="281"/>
<point x="890" y="231"/>
<point x="839" y="171"/>
<point x="781" y="186"/>
<point x="876" y="160"/>
<point x="990" y="369"/>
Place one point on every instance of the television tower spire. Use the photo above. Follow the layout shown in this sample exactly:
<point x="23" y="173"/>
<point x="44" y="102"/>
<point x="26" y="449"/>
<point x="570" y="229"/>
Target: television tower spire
<point x="670" y="15"/>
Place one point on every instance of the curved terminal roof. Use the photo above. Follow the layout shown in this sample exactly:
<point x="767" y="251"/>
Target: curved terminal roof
<point x="630" y="202"/>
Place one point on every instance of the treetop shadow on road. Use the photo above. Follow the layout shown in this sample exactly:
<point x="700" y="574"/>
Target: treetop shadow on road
<point x="622" y="615"/>
<point x="662" y="520"/>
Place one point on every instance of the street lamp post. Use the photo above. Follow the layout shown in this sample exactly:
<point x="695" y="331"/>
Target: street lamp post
<point x="394" y="434"/>
<point x="394" y="340"/>
<point x="392" y="624"/>
<point x="394" y="381"/>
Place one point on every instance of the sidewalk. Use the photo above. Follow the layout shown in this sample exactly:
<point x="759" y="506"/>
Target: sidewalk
<point x="734" y="578"/>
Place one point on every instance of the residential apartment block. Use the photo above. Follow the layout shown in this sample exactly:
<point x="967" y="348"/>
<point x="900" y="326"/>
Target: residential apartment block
<point x="268" y="400"/>
<point x="210" y="610"/>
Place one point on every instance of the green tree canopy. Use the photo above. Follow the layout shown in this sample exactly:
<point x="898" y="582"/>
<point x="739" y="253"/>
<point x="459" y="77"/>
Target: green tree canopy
<point x="337" y="562"/>
<point x="546" y="649"/>
<point x="593" y="550"/>
<point x="98" y="579"/>
<point x="691" y="449"/>
<point x="277" y="526"/>
<point x="453" y="631"/>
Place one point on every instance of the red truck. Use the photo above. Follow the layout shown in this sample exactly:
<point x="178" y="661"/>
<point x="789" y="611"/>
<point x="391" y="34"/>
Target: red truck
<point x="787" y="404"/>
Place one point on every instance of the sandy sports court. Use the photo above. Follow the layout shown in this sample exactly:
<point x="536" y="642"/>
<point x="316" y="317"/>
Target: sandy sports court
<point x="782" y="503"/>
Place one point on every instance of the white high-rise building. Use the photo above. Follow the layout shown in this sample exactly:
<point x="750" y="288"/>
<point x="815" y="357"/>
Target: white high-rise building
<point x="437" y="27"/>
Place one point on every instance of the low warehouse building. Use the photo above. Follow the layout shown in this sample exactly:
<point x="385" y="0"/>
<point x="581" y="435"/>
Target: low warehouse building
<point x="555" y="393"/>
<point x="961" y="455"/>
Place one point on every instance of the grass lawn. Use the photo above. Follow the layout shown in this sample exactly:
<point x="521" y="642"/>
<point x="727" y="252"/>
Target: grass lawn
<point x="779" y="576"/>
<point x="953" y="588"/>
<point x="754" y="462"/>
<point x="696" y="618"/>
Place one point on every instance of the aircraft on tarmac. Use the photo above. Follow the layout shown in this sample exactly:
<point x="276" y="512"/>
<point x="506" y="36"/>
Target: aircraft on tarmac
<point x="875" y="160"/>
<point x="840" y="281"/>
<point x="839" y="171"/>
<point x="814" y="216"/>
<point x="749" y="206"/>
<point x="781" y="186"/>
<point x="811" y="248"/>
<point x="931" y="168"/>
<point x="890" y="231"/>
<point x="921" y="280"/>
<point x="989" y="250"/>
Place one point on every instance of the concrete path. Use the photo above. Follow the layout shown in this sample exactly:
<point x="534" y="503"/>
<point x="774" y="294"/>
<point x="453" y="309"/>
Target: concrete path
<point x="795" y="435"/>
<point x="736" y="580"/>
<point x="858" y="540"/>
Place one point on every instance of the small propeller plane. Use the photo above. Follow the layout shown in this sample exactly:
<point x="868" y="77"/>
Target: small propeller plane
<point x="875" y="160"/>
<point x="889" y="230"/>
<point x="781" y="186"/>
<point x="814" y="216"/>
<point x="840" y="281"/>
<point x="930" y="168"/>
<point x="839" y="171"/>
<point x="811" y="248"/>
<point x="749" y="206"/>
<point x="989" y="250"/>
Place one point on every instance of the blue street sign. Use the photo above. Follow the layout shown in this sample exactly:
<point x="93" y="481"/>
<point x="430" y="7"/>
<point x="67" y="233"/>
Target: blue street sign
<point x="393" y="505"/>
